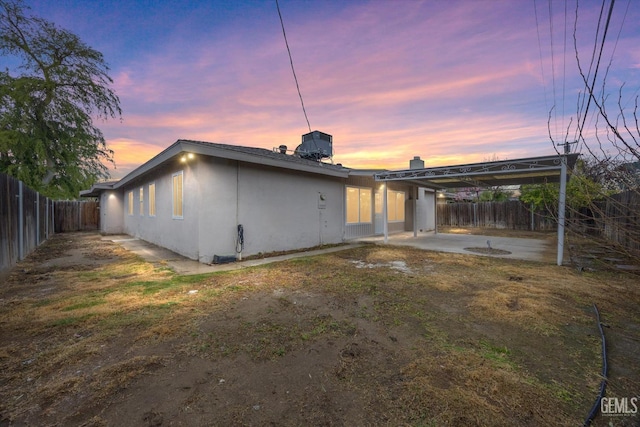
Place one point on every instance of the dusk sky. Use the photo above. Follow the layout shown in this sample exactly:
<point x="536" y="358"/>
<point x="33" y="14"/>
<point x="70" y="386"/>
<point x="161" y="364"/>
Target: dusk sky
<point x="450" y="81"/>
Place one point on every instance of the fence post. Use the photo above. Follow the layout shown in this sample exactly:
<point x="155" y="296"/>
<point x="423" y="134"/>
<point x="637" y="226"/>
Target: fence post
<point x="475" y="214"/>
<point x="37" y="219"/>
<point x="533" y="219"/>
<point x="20" y="222"/>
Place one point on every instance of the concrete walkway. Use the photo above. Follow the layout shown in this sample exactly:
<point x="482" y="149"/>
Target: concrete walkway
<point x="517" y="248"/>
<point x="185" y="266"/>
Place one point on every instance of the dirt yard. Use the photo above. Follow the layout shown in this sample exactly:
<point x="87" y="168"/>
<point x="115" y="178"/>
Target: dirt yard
<point x="94" y="336"/>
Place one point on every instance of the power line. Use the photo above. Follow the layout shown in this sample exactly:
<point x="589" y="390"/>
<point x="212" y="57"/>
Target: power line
<point x="292" y="69"/>
<point x="553" y="67"/>
<point x="582" y="110"/>
<point x="595" y="73"/>
<point x="544" y="83"/>
<point x="564" y="66"/>
<point x="615" y="45"/>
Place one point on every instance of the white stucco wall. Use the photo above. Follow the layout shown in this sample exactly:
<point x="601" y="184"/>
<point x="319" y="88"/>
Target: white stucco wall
<point x="177" y="234"/>
<point x="111" y="212"/>
<point x="425" y="208"/>
<point x="217" y="207"/>
<point x="279" y="209"/>
<point x="282" y="210"/>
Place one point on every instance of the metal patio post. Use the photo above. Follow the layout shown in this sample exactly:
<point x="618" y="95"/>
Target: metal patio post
<point x="384" y="213"/>
<point x="561" y="208"/>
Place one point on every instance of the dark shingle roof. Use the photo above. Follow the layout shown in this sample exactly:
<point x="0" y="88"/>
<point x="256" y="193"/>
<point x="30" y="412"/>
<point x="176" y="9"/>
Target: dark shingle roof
<point x="271" y="154"/>
<point x="253" y="155"/>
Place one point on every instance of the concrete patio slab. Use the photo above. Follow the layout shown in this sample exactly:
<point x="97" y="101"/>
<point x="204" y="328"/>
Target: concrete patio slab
<point x="518" y="248"/>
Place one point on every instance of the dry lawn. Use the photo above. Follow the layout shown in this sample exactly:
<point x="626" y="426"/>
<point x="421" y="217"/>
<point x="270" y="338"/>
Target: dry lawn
<point x="92" y="335"/>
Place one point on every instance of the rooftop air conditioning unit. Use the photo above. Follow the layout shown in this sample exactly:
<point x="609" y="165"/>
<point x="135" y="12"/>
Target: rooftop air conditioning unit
<point x="316" y="146"/>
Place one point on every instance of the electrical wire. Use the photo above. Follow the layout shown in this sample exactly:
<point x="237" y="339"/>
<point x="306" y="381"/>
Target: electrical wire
<point x="544" y="83"/>
<point x="597" y="65"/>
<point x="615" y="45"/>
<point x="553" y="66"/>
<point x="292" y="68"/>
<point x="564" y="69"/>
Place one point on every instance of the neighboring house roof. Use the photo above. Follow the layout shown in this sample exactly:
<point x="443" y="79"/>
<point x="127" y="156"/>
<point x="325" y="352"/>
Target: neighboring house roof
<point x="254" y="155"/>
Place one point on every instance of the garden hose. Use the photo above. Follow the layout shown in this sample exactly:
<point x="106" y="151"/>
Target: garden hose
<point x="603" y="384"/>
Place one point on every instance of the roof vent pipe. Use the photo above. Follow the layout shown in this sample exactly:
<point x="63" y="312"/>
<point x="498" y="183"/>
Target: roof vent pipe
<point x="416" y="163"/>
<point x="283" y="149"/>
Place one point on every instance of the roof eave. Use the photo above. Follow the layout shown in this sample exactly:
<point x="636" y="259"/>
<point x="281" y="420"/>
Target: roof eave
<point x="96" y="190"/>
<point x="183" y="146"/>
<point x="316" y="167"/>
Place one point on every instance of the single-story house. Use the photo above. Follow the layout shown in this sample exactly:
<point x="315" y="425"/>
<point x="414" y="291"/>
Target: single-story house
<point x="202" y="199"/>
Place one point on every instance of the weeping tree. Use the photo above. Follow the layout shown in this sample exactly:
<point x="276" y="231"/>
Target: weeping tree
<point x="608" y="133"/>
<point x="50" y="96"/>
<point x="585" y="189"/>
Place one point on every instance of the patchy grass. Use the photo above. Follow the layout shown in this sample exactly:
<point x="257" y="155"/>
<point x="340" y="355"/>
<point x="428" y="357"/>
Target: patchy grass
<point x="372" y="335"/>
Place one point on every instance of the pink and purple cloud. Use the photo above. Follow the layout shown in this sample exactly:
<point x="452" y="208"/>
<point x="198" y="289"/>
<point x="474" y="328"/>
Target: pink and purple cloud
<point x="452" y="82"/>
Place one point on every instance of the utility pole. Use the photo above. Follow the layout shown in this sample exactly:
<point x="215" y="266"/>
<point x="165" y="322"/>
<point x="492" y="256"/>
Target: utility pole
<point x="567" y="148"/>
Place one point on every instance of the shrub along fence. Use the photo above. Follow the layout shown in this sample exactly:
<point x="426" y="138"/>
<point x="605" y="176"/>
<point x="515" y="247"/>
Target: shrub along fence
<point x="28" y="218"/>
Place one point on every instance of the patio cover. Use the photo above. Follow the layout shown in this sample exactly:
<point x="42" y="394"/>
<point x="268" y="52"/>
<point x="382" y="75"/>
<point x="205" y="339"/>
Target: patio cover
<point x="532" y="170"/>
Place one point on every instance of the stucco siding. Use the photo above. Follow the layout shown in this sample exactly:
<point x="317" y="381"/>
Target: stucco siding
<point x="178" y="235"/>
<point x="279" y="209"/>
<point x="282" y="210"/>
<point x="217" y="210"/>
<point x="111" y="212"/>
<point x="425" y="210"/>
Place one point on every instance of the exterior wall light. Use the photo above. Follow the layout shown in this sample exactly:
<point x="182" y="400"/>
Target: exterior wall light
<point x="187" y="157"/>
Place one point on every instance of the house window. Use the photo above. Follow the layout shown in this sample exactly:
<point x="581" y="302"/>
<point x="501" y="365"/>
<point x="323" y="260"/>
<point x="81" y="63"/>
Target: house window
<point x="141" y="201"/>
<point x="358" y="205"/>
<point x="130" y="204"/>
<point x="395" y="206"/>
<point x="152" y="199"/>
<point x="177" y="195"/>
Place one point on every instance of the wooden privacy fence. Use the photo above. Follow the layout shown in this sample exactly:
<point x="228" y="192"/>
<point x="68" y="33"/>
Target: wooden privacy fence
<point x="616" y="219"/>
<point x="73" y="215"/>
<point x="513" y="215"/>
<point x="28" y="218"/>
<point x="621" y="220"/>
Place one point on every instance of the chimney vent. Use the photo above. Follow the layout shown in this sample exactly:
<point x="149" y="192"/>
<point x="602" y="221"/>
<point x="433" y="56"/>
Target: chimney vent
<point x="416" y="163"/>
